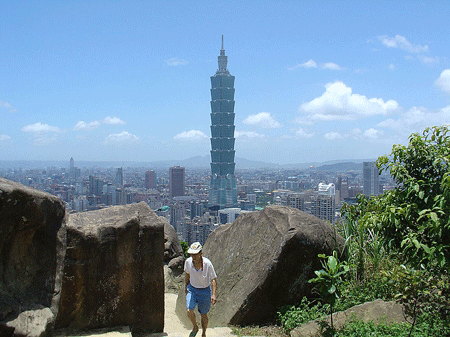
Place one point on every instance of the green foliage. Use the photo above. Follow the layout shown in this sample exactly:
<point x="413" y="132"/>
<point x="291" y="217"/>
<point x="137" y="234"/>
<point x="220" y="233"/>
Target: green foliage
<point x="398" y="245"/>
<point x="361" y="329"/>
<point x="185" y="247"/>
<point x="329" y="279"/>
<point x="292" y="317"/>
<point x="424" y="295"/>
<point x="374" y="285"/>
<point x="364" y="245"/>
<point x="415" y="217"/>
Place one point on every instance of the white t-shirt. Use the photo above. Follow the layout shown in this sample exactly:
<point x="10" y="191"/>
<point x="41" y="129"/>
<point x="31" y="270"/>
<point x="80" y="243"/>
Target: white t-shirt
<point x="200" y="278"/>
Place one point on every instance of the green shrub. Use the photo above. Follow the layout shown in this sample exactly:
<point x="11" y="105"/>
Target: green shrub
<point x="292" y="317"/>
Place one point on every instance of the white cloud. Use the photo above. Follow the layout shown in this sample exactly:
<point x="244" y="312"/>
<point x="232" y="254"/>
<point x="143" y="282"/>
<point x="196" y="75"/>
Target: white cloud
<point x="339" y="103"/>
<point x="372" y="133"/>
<point x="4" y="138"/>
<point x="191" y="135"/>
<point x="112" y="120"/>
<point x="331" y="66"/>
<point x="302" y="133"/>
<point x="415" y="119"/>
<point x="263" y="120"/>
<point x="313" y="64"/>
<point x="428" y="59"/>
<point x="248" y="134"/>
<point x="82" y="125"/>
<point x="356" y="134"/>
<point x="43" y="134"/>
<point x="308" y="64"/>
<point x="176" y="61"/>
<point x="7" y="106"/>
<point x="40" y="128"/>
<point x="443" y="81"/>
<point x="402" y="43"/>
<point x="333" y="136"/>
<point x="391" y="67"/>
<point x="123" y="138"/>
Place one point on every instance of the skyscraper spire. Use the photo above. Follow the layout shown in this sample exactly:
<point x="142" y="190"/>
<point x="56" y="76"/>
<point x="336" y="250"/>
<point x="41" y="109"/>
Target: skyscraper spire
<point x="223" y="60"/>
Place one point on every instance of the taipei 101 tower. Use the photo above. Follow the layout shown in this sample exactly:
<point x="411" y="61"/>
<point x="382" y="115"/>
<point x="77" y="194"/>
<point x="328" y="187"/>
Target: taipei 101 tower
<point x="223" y="193"/>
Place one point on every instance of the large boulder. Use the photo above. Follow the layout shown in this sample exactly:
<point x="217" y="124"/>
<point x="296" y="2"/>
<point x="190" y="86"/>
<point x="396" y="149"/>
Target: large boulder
<point x="113" y="274"/>
<point x="378" y="312"/>
<point x="173" y="260"/>
<point x="264" y="261"/>
<point x="32" y="248"/>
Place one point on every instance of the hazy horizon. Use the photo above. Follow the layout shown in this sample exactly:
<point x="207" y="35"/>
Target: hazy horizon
<point x="130" y="81"/>
<point x="202" y="162"/>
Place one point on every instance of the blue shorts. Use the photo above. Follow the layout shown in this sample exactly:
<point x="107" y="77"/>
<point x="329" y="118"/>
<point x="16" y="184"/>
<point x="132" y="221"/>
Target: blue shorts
<point x="200" y="297"/>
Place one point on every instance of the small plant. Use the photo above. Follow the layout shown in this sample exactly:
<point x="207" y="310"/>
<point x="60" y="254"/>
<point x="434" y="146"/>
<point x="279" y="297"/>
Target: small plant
<point x="329" y="279"/>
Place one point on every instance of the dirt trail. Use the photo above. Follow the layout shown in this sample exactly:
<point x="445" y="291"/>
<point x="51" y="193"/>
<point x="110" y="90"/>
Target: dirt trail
<point x="174" y="328"/>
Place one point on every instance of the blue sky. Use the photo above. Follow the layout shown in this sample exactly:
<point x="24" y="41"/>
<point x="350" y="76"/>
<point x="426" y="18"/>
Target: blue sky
<point x="129" y="80"/>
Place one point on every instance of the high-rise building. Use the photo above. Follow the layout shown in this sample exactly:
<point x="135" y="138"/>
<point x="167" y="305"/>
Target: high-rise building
<point x="150" y="179"/>
<point x="223" y="193"/>
<point x="119" y="177"/>
<point x="95" y="186"/>
<point x="176" y="181"/>
<point x="72" y="164"/>
<point x="371" y="185"/>
<point x="177" y="214"/>
<point x="323" y="206"/>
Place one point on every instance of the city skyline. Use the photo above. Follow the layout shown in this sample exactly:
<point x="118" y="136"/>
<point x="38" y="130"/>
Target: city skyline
<point x="319" y="81"/>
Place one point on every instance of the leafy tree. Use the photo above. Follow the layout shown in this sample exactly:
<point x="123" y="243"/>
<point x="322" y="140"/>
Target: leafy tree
<point x="414" y="218"/>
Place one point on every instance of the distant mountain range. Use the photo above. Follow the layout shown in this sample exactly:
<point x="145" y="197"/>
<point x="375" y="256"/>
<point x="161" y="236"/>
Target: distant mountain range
<point x="201" y="162"/>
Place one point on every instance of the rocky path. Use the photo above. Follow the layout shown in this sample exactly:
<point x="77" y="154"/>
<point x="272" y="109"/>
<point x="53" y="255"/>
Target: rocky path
<point x="172" y="326"/>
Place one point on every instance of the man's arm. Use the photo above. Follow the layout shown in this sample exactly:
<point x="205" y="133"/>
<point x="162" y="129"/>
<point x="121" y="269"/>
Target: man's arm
<point x="214" y="291"/>
<point x="187" y="278"/>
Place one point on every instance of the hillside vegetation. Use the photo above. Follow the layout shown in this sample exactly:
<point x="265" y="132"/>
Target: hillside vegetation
<point x="398" y="247"/>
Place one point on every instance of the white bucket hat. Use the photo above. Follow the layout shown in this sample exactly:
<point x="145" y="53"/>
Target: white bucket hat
<point x="195" y="248"/>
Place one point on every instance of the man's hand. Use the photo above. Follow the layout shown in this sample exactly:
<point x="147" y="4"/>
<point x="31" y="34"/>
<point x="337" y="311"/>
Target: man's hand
<point x="214" y="290"/>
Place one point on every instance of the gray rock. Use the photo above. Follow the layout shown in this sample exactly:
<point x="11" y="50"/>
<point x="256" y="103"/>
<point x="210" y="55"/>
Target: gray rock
<point x="172" y="283"/>
<point x="264" y="261"/>
<point x="378" y="311"/>
<point x="173" y="259"/>
<point x="173" y="252"/>
<point x="113" y="273"/>
<point x="32" y="249"/>
<point x="32" y="323"/>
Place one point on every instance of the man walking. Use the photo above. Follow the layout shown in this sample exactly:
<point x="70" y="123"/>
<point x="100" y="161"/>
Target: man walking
<point x="201" y="287"/>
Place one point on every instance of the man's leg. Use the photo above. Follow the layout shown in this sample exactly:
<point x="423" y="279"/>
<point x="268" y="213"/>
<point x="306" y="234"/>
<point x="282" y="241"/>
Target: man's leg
<point x="191" y="316"/>
<point x="204" y="323"/>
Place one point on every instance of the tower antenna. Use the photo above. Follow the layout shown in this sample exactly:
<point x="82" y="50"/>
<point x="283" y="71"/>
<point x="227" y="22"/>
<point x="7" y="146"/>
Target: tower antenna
<point x="222" y="41"/>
